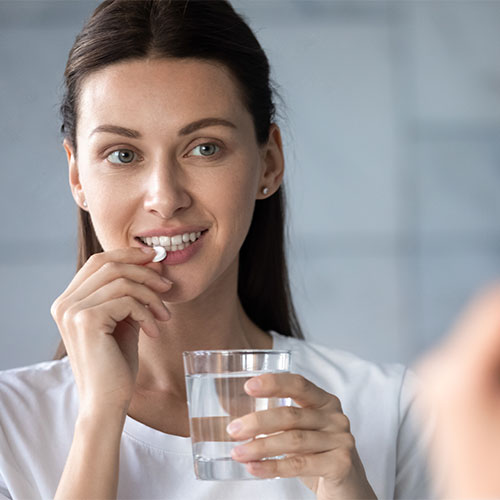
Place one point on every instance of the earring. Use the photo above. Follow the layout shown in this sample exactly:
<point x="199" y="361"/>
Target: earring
<point x="84" y="203"/>
<point x="265" y="190"/>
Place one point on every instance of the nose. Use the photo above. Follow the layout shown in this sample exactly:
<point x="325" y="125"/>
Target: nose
<point x="166" y="192"/>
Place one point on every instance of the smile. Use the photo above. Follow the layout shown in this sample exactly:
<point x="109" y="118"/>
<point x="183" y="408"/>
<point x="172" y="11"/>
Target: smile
<point x="171" y="243"/>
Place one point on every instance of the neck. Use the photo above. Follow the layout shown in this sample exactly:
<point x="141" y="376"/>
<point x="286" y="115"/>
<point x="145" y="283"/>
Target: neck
<point x="214" y="320"/>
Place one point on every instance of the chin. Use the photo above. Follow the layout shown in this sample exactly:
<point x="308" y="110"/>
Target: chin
<point x="182" y="293"/>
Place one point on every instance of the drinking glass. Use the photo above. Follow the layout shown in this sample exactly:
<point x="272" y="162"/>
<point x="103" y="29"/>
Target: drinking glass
<point x="215" y="394"/>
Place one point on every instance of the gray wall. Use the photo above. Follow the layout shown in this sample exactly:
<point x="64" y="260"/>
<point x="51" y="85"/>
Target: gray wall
<point x="392" y="128"/>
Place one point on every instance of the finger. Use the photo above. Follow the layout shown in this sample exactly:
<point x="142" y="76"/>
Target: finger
<point x="294" y="441"/>
<point x="335" y="463"/>
<point x="112" y="271"/>
<point x="277" y="419"/>
<point x="124" y="307"/>
<point x="123" y="287"/>
<point x="291" y="385"/>
<point x="103" y="319"/>
<point x="131" y="255"/>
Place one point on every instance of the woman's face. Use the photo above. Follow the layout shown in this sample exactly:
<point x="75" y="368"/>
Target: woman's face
<point x="166" y="148"/>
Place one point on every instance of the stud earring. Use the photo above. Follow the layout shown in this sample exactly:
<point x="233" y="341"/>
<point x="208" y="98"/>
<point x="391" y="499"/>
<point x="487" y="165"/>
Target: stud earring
<point x="84" y="203"/>
<point x="265" y="190"/>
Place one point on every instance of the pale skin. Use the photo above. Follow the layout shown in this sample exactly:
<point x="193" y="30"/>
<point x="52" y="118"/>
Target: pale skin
<point x="461" y="392"/>
<point x="125" y="321"/>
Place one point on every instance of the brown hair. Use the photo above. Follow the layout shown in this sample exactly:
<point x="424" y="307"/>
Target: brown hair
<point x="202" y="29"/>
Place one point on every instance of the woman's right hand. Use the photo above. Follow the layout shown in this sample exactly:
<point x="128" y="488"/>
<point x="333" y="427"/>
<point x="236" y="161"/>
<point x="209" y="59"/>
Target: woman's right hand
<point x="99" y="316"/>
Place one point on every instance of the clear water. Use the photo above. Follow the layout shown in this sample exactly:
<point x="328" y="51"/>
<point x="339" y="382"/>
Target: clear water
<point x="214" y="401"/>
<point x="212" y="461"/>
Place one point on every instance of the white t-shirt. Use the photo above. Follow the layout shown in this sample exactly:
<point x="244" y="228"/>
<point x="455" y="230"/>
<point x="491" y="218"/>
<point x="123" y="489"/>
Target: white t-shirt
<point x="39" y="405"/>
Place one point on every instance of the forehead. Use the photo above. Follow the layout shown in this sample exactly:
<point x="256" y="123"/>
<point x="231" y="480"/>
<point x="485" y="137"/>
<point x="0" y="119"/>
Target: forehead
<point x="162" y="92"/>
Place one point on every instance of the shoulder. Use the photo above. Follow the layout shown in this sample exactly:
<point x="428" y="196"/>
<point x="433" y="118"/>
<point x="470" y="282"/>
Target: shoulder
<point x="46" y="373"/>
<point x="39" y="404"/>
<point x="35" y="387"/>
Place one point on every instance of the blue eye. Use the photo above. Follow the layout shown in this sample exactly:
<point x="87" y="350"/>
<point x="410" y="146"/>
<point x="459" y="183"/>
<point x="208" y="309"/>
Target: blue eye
<point x="121" y="156"/>
<point x="207" y="149"/>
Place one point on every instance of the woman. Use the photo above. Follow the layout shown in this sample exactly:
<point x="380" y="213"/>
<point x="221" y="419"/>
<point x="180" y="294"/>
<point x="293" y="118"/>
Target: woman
<point x="169" y="131"/>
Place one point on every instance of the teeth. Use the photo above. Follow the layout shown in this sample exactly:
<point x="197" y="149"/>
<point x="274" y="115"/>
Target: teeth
<point x="173" y="243"/>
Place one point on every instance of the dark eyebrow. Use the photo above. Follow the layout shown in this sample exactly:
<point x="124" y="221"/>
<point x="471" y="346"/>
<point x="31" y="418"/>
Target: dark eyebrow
<point x="188" y="129"/>
<point x="115" y="129"/>
<point x="205" y="122"/>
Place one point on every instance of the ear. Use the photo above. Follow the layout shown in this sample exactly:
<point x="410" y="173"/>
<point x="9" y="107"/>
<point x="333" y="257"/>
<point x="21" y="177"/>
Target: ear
<point x="273" y="164"/>
<point x="74" y="175"/>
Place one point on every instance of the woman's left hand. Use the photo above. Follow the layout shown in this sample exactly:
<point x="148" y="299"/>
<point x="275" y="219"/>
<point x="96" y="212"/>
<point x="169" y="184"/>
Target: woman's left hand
<point x="315" y="438"/>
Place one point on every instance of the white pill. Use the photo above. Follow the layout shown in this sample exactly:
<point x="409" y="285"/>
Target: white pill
<point x="161" y="253"/>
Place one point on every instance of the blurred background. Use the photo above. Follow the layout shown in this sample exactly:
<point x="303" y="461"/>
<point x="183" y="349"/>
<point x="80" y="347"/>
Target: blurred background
<point x="391" y="118"/>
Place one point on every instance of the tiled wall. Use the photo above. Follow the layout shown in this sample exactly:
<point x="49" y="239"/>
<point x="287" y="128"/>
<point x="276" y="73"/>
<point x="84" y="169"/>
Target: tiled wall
<point x="392" y="131"/>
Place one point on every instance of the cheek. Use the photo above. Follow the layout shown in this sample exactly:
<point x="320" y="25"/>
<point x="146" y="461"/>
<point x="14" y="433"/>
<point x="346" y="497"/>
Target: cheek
<point x="108" y="217"/>
<point x="236" y="197"/>
<point x="237" y="205"/>
<point x="110" y="207"/>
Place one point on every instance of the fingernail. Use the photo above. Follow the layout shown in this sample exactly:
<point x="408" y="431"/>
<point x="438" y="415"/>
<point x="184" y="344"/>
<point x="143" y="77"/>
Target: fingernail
<point x="253" y="384"/>
<point x="234" y="427"/>
<point x="166" y="280"/>
<point x="148" y="250"/>
<point x="165" y="308"/>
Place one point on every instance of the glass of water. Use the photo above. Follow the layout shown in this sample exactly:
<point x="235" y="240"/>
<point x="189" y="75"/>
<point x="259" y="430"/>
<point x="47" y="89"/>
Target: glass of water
<point x="215" y="394"/>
